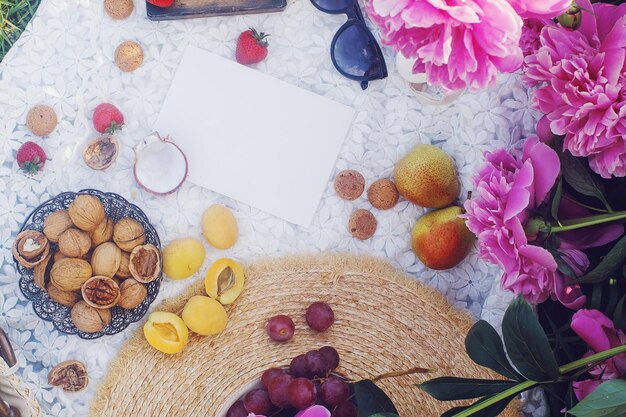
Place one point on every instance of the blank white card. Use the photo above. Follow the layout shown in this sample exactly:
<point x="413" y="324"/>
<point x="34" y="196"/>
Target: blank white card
<point x="252" y="137"/>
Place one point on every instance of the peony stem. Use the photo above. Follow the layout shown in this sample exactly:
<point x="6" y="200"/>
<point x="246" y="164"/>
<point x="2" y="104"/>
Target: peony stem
<point x="573" y="224"/>
<point x="403" y="373"/>
<point x="526" y="385"/>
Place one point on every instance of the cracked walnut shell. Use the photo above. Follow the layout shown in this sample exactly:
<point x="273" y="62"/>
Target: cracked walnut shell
<point x="71" y="376"/>
<point x="100" y="292"/>
<point x="74" y="243"/>
<point x="30" y="248"/>
<point x="106" y="259"/>
<point x="132" y="293"/>
<point x="55" y="224"/>
<point x="145" y="263"/>
<point x="128" y="234"/>
<point x="86" y="212"/>
<point x="88" y="319"/>
<point x="70" y="274"/>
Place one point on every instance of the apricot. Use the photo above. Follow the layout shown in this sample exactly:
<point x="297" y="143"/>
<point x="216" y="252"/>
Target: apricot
<point x="166" y="332"/>
<point x="224" y="280"/>
<point x="204" y="315"/>
<point x="219" y="227"/>
<point x="183" y="257"/>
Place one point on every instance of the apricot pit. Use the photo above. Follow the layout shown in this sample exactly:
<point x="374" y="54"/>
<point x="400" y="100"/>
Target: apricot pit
<point x="224" y="280"/>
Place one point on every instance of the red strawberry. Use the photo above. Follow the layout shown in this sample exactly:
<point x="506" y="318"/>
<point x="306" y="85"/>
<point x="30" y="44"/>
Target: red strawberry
<point x="161" y="3"/>
<point x="30" y="157"/>
<point x="107" y="118"/>
<point x="251" y="47"/>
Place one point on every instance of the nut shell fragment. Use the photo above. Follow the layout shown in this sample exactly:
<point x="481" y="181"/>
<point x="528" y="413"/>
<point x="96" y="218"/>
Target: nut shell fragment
<point x="89" y="319"/>
<point x="71" y="376"/>
<point x="101" y="152"/>
<point x="39" y="272"/>
<point x="86" y="212"/>
<point x="106" y="259"/>
<point x="100" y="292"/>
<point x="70" y="274"/>
<point x="30" y="248"/>
<point x="145" y="263"/>
<point x="55" y="224"/>
<point x="128" y="234"/>
<point x="74" y="243"/>
<point x="132" y="293"/>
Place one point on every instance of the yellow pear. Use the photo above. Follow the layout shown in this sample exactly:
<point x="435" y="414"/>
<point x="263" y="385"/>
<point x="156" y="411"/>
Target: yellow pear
<point x="440" y="239"/>
<point x="426" y="176"/>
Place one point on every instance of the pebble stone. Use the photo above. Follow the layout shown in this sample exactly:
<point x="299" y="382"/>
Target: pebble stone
<point x="349" y="184"/>
<point x="383" y="194"/>
<point x="41" y="120"/>
<point x="119" y="9"/>
<point x="362" y="224"/>
<point x="129" y="56"/>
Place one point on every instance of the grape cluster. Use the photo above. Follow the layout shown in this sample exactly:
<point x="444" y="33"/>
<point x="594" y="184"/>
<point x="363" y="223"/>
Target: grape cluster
<point x="307" y="381"/>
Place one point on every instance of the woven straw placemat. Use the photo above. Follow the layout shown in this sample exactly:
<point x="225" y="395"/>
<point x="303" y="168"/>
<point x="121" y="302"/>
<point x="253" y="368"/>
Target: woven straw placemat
<point x="385" y="321"/>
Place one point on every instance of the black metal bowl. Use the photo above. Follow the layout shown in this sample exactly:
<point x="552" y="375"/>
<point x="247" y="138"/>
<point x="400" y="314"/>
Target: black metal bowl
<point x="116" y="207"/>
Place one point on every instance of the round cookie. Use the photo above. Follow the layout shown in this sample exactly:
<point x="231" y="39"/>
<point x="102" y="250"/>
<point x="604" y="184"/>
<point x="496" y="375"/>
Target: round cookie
<point x="362" y="224"/>
<point x="119" y="9"/>
<point x="383" y="194"/>
<point x="129" y="56"/>
<point x="349" y="184"/>
<point x="41" y="120"/>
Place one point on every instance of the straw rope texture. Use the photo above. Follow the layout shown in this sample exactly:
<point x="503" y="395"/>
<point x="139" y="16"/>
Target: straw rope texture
<point x="385" y="321"/>
<point x="16" y="393"/>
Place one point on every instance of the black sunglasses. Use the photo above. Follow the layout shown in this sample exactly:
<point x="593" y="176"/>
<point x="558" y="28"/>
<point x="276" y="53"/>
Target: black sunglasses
<point x="354" y="50"/>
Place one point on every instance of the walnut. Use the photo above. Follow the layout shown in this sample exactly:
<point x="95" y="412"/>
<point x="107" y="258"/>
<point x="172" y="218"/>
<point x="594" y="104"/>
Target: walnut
<point x="55" y="224"/>
<point x="106" y="259"/>
<point x="58" y="255"/>
<point x="74" y="243"/>
<point x="128" y="234"/>
<point x="70" y="274"/>
<point x="66" y="298"/>
<point x="100" y="292"/>
<point x="39" y="272"/>
<point x="145" y="263"/>
<point x="89" y="319"/>
<point x="132" y="293"/>
<point x="71" y="376"/>
<point x="86" y="212"/>
<point x="30" y="248"/>
<point x="124" y="271"/>
<point x="102" y="233"/>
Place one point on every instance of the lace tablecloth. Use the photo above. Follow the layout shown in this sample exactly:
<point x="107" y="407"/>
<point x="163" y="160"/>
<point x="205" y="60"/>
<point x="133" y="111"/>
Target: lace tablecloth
<point x="65" y="59"/>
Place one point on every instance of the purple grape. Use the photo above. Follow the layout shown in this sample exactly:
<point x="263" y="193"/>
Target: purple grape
<point x="316" y="364"/>
<point x="319" y="316"/>
<point x="258" y="402"/>
<point x="280" y="328"/>
<point x="335" y="391"/>
<point x="331" y="355"/>
<point x="269" y="375"/>
<point x="237" y="410"/>
<point x="302" y="393"/>
<point x="346" y="409"/>
<point x="279" y="390"/>
<point x="298" y="366"/>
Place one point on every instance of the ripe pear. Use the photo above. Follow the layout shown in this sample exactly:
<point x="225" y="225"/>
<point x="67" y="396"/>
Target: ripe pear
<point x="426" y="176"/>
<point x="440" y="239"/>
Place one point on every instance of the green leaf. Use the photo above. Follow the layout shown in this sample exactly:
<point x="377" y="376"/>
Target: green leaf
<point x="556" y="199"/>
<point x="491" y="411"/>
<point x="609" y="264"/>
<point x="608" y="400"/>
<point x="527" y="343"/>
<point x="370" y="399"/>
<point x="452" y="388"/>
<point x="619" y="315"/>
<point x="384" y="415"/>
<point x="577" y="174"/>
<point x="484" y="346"/>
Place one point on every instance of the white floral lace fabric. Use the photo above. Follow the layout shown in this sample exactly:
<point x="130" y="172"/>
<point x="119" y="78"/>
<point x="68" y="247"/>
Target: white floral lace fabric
<point x="65" y="59"/>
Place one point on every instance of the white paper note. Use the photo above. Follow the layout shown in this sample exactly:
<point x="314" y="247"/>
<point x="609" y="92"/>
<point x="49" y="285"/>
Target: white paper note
<point x="252" y="137"/>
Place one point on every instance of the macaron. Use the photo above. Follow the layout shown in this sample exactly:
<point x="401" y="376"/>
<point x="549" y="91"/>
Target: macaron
<point x="362" y="224"/>
<point x="349" y="184"/>
<point x="41" y="120"/>
<point x="383" y="194"/>
<point x="129" y="56"/>
<point x="119" y="9"/>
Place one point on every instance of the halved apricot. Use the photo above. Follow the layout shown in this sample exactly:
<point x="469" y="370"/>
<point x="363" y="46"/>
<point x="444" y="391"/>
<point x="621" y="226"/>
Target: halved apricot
<point x="224" y="280"/>
<point x="166" y="332"/>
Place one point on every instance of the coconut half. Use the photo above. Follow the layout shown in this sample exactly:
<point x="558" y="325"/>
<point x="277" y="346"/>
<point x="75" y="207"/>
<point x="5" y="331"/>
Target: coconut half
<point x="160" y="165"/>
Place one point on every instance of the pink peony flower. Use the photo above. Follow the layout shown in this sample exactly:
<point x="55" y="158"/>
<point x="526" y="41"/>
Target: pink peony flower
<point x="599" y="332"/>
<point x="457" y="43"/>
<point x="583" y="92"/>
<point x="314" y="411"/>
<point x="529" y="41"/>
<point x="508" y="188"/>
<point x="540" y="8"/>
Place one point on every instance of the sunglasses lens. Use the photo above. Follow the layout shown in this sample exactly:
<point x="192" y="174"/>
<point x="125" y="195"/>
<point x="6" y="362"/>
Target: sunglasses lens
<point x="331" y="6"/>
<point x="356" y="53"/>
